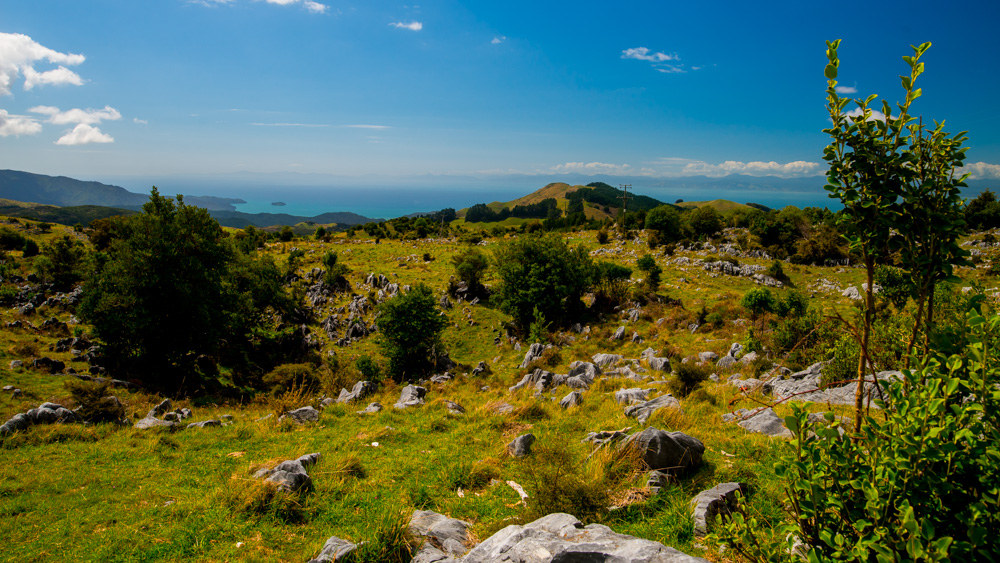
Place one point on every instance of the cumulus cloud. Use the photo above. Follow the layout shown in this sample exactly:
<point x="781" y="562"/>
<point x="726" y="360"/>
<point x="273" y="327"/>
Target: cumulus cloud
<point x="315" y="7"/>
<point x="18" y="125"/>
<point x="498" y="40"/>
<point x="592" y="168"/>
<point x="412" y="26"/>
<point x="84" y="134"/>
<point x="76" y="115"/>
<point x="18" y="56"/>
<point x="981" y="171"/>
<point x="643" y="54"/>
<point x="846" y="90"/>
<point x="138" y="121"/>
<point x="794" y="169"/>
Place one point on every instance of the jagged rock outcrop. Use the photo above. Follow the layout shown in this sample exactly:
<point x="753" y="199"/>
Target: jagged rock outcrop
<point x="360" y="390"/>
<point x="411" y="396"/>
<point x="521" y="446"/>
<point x="46" y="413"/>
<point x="643" y="411"/>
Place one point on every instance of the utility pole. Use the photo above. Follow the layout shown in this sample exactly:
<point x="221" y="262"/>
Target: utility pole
<point x="625" y="196"/>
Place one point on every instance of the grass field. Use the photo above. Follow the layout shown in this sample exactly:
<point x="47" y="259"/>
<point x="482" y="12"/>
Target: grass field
<point x="70" y="492"/>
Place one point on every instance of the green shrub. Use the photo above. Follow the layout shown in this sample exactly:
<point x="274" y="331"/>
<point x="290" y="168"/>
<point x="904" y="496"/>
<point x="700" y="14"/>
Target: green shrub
<point x="918" y="483"/>
<point x="687" y="378"/>
<point x="30" y="248"/>
<point x="11" y="239"/>
<point x="368" y="368"/>
<point x="557" y="481"/>
<point x="95" y="401"/>
<point x="410" y="332"/>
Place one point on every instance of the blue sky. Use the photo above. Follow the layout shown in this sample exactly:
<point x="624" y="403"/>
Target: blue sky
<point x="104" y="88"/>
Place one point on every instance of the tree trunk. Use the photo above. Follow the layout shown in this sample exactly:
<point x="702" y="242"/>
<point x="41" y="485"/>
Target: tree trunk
<point x="859" y="395"/>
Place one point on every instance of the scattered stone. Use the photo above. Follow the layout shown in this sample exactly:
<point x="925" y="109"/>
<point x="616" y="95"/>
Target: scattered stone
<point x="659" y="364"/>
<point x="657" y="480"/>
<point x="335" y="549"/>
<point x="606" y="437"/>
<point x="441" y="378"/>
<point x="302" y="415"/>
<point x="852" y="293"/>
<point x="371" y="408"/>
<point x="671" y="451"/>
<point x="533" y="353"/>
<point x="606" y="360"/>
<point x="205" y="424"/>
<point x="411" y="396"/>
<point x="630" y="396"/>
<point x="619" y="334"/>
<point x="46" y="413"/>
<point x="447" y="537"/>
<point x="763" y="421"/>
<point x="561" y="537"/>
<point x="521" y="446"/>
<point x="571" y="400"/>
<point x="290" y="475"/>
<point x="360" y="390"/>
<point x="454" y="408"/>
<point x="643" y="411"/>
<point x="707" y="357"/>
<point x="480" y="368"/>
<point x="16" y="364"/>
<point x="719" y="500"/>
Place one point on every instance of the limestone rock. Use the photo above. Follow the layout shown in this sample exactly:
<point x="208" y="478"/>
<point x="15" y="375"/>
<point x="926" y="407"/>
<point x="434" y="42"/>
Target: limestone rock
<point x="303" y="415"/>
<point x="521" y="446"/>
<point x="371" y="408"/>
<point x="720" y="499"/>
<point x="454" y="408"/>
<point x="673" y="451"/>
<point x="411" y="396"/>
<point x="643" y="411"/>
<point x="290" y="475"/>
<point x="360" y="390"/>
<point x="562" y="538"/>
<point x="571" y="400"/>
<point x="335" y="549"/>
<point x="766" y="422"/>
<point x="606" y="360"/>
<point x="534" y="352"/>
<point x="447" y="535"/>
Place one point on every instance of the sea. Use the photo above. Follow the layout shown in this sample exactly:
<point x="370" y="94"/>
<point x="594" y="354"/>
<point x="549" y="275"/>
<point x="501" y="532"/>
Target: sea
<point x="387" y="202"/>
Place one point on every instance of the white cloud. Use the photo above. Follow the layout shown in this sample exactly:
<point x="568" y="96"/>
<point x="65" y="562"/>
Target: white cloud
<point x="412" y="26"/>
<point x="76" y="115"/>
<point x="794" y="169"/>
<point x="672" y="69"/>
<point x="138" y="121"/>
<point x="643" y="54"/>
<point x="18" y="125"/>
<point x="592" y="168"/>
<point x="498" y="40"/>
<point x="18" y="55"/>
<point x="367" y="126"/>
<point x="315" y="7"/>
<point x="846" y="90"/>
<point x="981" y="171"/>
<point x="84" y="134"/>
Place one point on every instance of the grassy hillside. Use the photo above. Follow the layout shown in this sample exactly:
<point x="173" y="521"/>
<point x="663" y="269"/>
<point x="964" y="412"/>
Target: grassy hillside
<point x="720" y="205"/>
<point x="101" y="492"/>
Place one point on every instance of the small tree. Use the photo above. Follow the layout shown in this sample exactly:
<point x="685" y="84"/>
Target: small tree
<point x="63" y="262"/>
<point x="665" y="222"/>
<point x="758" y="302"/>
<point x="652" y="270"/>
<point x="543" y="272"/>
<point x="410" y="327"/>
<point x="335" y="273"/>
<point x="470" y="266"/>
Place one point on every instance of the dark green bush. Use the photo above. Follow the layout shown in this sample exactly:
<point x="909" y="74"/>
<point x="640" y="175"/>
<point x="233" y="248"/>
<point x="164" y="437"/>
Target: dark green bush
<point x="96" y="401"/>
<point x="291" y="377"/>
<point x="688" y="377"/>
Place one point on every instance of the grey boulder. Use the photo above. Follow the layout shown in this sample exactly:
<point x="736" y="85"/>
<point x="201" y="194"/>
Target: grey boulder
<point x="411" y="396"/>
<point x="564" y="539"/>
<point x="606" y="360"/>
<point x="521" y="446"/>
<point x="302" y="415"/>
<point x="662" y="450"/>
<point x="643" y="411"/>
<point x="448" y="537"/>
<point x="764" y="421"/>
<point x="335" y="549"/>
<point x="571" y="400"/>
<point x="360" y="390"/>
<point x="371" y="409"/>
<point x="719" y="500"/>
<point x="290" y="475"/>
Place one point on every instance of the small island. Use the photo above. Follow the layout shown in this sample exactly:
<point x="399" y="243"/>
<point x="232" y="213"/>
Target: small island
<point x="278" y="203"/>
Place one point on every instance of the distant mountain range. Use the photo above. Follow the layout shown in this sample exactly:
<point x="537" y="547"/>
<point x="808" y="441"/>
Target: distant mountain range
<point x="64" y="192"/>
